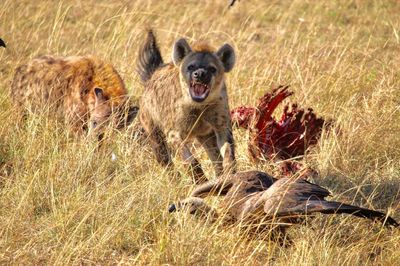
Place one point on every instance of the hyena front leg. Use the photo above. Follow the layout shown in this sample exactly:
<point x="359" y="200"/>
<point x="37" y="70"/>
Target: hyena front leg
<point x="226" y="146"/>
<point x="157" y="140"/>
<point x="210" y="144"/>
<point x="192" y="164"/>
<point x="159" y="146"/>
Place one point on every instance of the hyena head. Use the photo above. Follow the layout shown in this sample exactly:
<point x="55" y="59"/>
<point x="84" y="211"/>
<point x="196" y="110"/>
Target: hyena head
<point x="103" y="114"/>
<point x="201" y="69"/>
<point x="99" y="116"/>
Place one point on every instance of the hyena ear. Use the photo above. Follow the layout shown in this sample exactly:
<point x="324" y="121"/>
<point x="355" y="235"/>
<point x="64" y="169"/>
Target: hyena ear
<point x="180" y="50"/>
<point x="99" y="93"/>
<point x="2" y="43"/>
<point x="227" y="56"/>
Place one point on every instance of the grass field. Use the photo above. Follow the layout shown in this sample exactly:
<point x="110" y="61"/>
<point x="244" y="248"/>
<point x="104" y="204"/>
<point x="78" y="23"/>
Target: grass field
<point x="62" y="203"/>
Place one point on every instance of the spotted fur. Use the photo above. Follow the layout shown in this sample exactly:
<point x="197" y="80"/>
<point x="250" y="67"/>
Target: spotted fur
<point x="171" y="117"/>
<point x="76" y="88"/>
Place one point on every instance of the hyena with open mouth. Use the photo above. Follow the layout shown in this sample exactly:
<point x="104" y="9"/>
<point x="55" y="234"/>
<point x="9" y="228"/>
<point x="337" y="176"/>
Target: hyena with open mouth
<point x="187" y="99"/>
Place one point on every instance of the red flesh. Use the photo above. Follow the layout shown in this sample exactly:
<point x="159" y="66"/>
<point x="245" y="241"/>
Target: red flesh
<point x="284" y="139"/>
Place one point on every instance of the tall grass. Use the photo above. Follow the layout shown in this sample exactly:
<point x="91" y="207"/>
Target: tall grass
<point x="62" y="203"/>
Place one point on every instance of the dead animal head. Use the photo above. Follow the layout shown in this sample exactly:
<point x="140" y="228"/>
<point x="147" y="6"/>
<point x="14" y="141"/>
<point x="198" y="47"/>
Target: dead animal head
<point x="201" y="69"/>
<point x="195" y="206"/>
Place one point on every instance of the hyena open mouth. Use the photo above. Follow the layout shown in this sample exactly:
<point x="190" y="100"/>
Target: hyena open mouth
<point x="199" y="91"/>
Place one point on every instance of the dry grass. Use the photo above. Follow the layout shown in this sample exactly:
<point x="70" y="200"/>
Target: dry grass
<point x="61" y="203"/>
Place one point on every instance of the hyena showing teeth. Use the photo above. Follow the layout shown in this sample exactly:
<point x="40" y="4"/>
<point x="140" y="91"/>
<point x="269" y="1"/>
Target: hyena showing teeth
<point x="185" y="100"/>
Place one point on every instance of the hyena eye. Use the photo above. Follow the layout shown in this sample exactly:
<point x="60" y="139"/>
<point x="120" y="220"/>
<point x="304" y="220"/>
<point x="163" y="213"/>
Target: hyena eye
<point x="191" y="67"/>
<point x="212" y="69"/>
<point x="94" y="124"/>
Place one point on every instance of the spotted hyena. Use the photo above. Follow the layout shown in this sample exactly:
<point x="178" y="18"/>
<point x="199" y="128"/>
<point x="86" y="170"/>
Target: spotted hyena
<point x="187" y="99"/>
<point x="83" y="90"/>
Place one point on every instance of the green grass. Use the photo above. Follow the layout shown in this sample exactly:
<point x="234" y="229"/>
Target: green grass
<point x="61" y="203"/>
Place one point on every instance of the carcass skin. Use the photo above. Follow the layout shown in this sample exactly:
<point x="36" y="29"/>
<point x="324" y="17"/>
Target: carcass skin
<point x="256" y="200"/>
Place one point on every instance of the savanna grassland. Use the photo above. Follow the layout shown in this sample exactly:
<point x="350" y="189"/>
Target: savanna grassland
<point x="61" y="202"/>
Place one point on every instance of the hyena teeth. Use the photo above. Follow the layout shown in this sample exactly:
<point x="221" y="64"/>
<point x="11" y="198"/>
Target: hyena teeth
<point x="187" y="119"/>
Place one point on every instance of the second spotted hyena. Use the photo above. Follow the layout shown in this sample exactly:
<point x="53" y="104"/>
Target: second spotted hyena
<point x="86" y="91"/>
<point x="187" y="99"/>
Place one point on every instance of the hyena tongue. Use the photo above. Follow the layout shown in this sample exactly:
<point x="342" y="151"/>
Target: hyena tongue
<point x="199" y="89"/>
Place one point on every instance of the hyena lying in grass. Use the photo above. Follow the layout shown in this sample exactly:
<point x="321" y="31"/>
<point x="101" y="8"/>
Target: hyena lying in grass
<point x="187" y="99"/>
<point x="87" y="92"/>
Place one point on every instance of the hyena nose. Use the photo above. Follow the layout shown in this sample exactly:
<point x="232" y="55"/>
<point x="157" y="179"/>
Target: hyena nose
<point x="199" y="74"/>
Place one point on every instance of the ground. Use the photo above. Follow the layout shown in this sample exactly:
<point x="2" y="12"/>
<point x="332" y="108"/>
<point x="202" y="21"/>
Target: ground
<point x="62" y="202"/>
